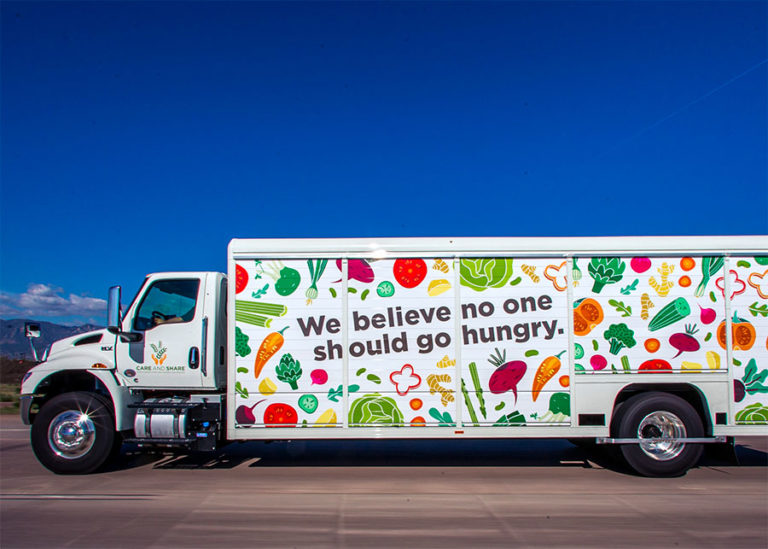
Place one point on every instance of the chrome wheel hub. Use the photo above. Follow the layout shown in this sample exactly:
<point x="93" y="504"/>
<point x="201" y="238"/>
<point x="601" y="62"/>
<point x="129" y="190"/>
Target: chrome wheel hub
<point x="661" y="425"/>
<point x="71" y="434"/>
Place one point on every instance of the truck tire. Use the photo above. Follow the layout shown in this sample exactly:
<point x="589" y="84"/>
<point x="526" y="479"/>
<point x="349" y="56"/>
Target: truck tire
<point x="74" y="433"/>
<point x="655" y="414"/>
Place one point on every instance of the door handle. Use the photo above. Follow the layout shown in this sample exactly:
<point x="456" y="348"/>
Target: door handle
<point x="194" y="358"/>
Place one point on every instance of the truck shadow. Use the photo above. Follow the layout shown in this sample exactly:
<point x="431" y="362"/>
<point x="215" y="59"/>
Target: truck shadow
<point x="418" y="453"/>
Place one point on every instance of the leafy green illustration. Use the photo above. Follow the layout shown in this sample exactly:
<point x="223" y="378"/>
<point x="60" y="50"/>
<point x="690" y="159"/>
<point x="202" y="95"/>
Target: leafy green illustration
<point x="514" y="418"/>
<point x="444" y="418"/>
<point x="605" y="270"/>
<point x="241" y="343"/>
<point x="625" y="310"/>
<point x="753" y="381"/>
<point x="240" y="390"/>
<point x="626" y="290"/>
<point x="756" y="309"/>
<point x="258" y="293"/>
<point x="335" y="394"/>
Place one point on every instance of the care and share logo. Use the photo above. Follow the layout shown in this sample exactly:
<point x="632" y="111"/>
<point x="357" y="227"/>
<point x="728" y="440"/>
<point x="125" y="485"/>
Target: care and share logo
<point x="159" y="354"/>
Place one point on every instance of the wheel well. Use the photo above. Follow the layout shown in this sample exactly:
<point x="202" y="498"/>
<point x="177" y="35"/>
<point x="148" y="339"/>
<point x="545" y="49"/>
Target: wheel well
<point x="687" y="392"/>
<point x="67" y="382"/>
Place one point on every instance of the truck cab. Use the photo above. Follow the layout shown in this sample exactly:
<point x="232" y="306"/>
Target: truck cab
<point x="155" y="376"/>
<point x="173" y="335"/>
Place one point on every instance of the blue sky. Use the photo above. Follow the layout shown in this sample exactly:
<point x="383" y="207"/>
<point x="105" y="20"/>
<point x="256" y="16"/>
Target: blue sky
<point x="142" y="136"/>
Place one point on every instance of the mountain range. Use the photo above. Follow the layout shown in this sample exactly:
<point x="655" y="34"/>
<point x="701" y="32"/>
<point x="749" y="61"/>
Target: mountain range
<point x="14" y="343"/>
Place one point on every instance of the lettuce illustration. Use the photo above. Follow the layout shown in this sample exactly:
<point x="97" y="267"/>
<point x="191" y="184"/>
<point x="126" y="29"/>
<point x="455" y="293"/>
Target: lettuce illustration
<point x="374" y="408"/>
<point x="753" y="414"/>
<point x="481" y="274"/>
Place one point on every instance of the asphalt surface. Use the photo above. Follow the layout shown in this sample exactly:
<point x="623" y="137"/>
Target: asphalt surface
<point x="381" y="494"/>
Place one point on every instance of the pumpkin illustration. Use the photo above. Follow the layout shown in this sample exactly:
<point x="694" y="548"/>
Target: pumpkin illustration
<point x="743" y="334"/>
<point x="587" y="315"/>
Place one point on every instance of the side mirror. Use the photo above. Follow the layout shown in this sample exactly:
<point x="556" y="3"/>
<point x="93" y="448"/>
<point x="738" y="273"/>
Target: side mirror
<point x="31" y="329"/>
<point x="114" y="320"/>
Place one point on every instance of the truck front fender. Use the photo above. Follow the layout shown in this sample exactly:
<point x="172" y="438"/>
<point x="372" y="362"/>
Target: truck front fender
<point x="43" y="383"/>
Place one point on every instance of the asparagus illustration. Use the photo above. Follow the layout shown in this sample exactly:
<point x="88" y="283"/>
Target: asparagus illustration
<point x="478" y="387"/>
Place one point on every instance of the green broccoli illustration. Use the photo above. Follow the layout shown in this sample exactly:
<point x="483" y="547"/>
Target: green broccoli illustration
<point x="619" y="336"/>
<point x="289" y="370"/>
<point x="241" y="343"/>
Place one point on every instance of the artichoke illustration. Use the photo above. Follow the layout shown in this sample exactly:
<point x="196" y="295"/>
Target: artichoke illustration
<point x="605" y="270"/>
<point x="289" y="370"/>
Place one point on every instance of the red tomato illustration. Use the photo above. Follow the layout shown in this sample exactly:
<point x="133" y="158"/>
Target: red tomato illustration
<point x="241" y="278"/>
<point x="409" y="273"/>
<point x="655" y="365"/>
<point x="278" y="414"/>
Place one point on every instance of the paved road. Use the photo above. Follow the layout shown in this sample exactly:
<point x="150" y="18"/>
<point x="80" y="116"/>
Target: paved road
<point x="381" y="494"/>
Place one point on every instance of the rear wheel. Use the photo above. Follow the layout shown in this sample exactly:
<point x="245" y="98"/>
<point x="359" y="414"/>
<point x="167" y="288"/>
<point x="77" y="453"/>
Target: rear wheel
<point x="651" y="416"/>
<point x="74" y="433"/>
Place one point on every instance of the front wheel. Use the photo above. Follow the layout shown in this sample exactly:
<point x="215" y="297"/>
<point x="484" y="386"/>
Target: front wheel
<point x="650" y="416"/>
<point x="74" y="433"/>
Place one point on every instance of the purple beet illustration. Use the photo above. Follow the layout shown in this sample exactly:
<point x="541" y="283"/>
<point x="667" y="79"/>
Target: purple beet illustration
<point x="244" y="414"/>
<point x="357" y="269"/>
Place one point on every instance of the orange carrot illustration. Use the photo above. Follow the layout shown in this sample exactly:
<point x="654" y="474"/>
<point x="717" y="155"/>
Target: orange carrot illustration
<point x="267" y="349"/>
<point x="546" y="371"/>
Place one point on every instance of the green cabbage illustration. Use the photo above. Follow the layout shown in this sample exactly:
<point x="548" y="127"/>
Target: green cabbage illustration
<point x="481" y="274"/>
<point x="375" y="408"/>
<point x="753" y="414"/>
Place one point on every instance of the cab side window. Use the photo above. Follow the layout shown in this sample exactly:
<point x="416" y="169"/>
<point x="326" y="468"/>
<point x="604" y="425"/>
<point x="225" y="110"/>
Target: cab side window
<point x="167" y="301"/>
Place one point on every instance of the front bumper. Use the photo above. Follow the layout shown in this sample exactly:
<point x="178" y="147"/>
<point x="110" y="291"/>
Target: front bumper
<point x="25" y="403"/>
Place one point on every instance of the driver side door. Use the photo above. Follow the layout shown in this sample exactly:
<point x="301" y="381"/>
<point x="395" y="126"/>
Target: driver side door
<point x="169" y="316"/>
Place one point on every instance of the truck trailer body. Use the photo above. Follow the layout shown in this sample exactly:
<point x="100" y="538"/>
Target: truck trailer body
<point x="657" y="344"/>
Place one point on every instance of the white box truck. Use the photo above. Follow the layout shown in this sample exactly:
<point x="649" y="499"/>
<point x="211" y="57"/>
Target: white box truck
<point x="658" y="345"/>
